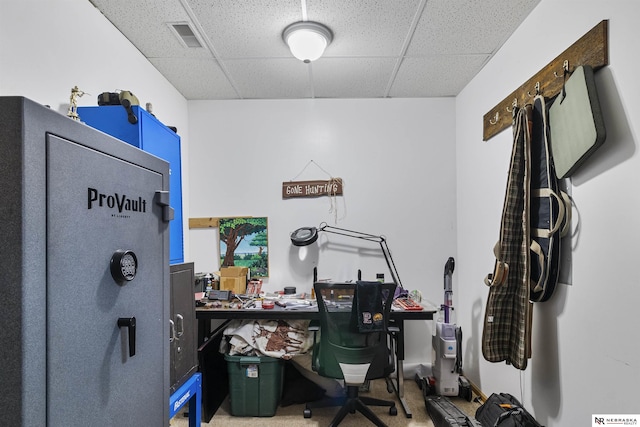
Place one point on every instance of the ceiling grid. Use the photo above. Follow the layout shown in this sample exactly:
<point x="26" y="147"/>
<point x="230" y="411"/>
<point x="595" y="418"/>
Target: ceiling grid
<point x="380" y="48"/>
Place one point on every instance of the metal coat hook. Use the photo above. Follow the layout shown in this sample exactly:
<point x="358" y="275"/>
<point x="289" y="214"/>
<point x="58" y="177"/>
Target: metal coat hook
<point x="537" y="88"/>
<point x="514" y="105"/>
<point x="565" y="69"/>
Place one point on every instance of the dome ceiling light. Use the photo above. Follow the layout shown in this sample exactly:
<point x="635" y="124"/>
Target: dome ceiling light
<point x="307" y="39"/>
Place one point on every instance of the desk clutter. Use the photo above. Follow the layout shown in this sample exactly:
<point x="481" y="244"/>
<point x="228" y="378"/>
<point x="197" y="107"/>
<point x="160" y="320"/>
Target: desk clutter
<point x="232" y="288"/>
<point x="267" y="301"/>
<point x="236" y="280"/>
<point x="407" y="303"/>
<point x="226" y="299"/>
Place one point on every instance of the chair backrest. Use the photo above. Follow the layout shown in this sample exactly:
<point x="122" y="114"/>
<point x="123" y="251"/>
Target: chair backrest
<point x="340" y="338"/>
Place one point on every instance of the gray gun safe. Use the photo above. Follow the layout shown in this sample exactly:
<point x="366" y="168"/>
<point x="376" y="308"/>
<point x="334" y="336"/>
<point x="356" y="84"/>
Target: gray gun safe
<point x="84" y="275"/>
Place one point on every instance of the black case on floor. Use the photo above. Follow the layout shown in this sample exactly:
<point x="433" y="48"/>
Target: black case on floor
<point x="504" y="410"/>
<point x="444" y="413"/>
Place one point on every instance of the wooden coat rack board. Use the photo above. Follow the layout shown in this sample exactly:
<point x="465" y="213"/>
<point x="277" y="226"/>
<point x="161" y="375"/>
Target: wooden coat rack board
<point x="591" y="49"/>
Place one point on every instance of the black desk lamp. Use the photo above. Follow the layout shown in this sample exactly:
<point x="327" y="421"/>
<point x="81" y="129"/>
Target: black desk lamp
<point x="307" y="235"/>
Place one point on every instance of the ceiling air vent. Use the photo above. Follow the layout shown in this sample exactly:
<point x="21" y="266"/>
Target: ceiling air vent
<point x="185" y="34"/>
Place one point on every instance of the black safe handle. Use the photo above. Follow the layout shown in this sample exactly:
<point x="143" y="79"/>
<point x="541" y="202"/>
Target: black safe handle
<point x="130" y="324"/>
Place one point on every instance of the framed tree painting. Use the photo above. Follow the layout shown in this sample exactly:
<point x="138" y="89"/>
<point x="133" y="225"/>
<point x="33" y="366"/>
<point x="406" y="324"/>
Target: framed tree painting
<point x="244" y="243"/>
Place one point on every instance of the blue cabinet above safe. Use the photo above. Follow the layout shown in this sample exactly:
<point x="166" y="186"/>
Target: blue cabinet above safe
<point x="152" y="136"/>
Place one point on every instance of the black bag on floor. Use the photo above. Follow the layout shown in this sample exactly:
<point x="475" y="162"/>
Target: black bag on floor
<point x="444" y="413"/>
<point x="504" y="410"/>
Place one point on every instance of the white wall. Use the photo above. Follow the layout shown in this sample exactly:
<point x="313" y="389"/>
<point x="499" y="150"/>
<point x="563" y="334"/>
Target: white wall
<point x="49" y="46"/>
<point x="586" y="346"/>
<point x="394" y="155"/>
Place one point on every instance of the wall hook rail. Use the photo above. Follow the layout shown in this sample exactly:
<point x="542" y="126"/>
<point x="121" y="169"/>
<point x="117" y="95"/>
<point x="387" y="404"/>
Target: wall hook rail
<point x="591" y="49"/>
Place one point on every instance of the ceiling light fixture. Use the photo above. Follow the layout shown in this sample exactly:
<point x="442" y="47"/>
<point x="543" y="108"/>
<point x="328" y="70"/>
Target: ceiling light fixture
<point x="307" y="39"/>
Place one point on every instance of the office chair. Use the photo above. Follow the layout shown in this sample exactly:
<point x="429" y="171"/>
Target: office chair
<point x="344" y="352"/>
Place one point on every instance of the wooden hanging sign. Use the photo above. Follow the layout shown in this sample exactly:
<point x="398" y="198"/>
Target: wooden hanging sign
<point x="332" y="187"/>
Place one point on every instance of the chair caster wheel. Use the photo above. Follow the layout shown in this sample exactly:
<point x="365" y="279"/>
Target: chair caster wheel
<point x="393" y="411"/>
<point x="307" y="413"/>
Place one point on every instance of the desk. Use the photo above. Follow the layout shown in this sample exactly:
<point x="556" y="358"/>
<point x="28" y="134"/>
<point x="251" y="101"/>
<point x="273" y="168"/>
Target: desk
<point x="398" y="317"/>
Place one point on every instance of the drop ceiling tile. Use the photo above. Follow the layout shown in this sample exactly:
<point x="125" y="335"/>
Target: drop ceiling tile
<point x="467" y="26"/>
<point x="245" y="57"/>
<point x="196" y="78"/>
<point x="435" y="76"/>
<point x="144" y="23"/>
<point x="247" y="29"/>
<point x="364" y="27"/>
<point x="280" y="78"/>
<point x="352" y="77"/>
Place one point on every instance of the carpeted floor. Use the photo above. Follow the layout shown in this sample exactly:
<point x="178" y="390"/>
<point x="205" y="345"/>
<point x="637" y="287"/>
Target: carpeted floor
<point x="292" y="416"/>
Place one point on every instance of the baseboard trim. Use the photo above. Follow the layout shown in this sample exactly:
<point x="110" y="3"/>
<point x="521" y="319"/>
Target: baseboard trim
<point x="476" y="390"/>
